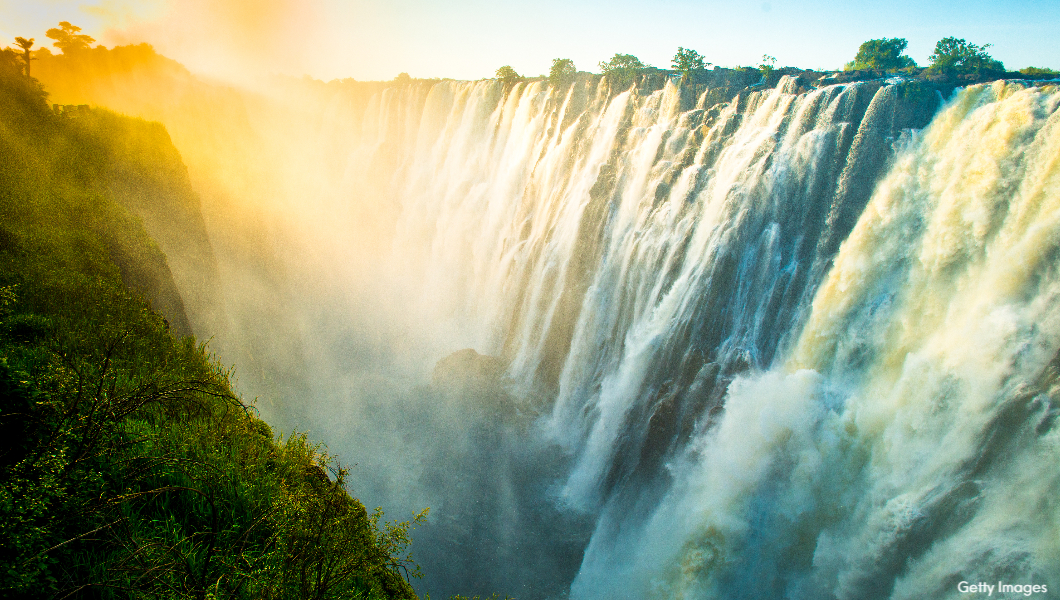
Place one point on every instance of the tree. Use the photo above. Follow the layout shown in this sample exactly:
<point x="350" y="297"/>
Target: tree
<point x="767" y="66"/>
<point x="68" y="39"/>
<point x="25" y="45"/>
<point x="884" y="54"/>
<point x="507" y="75"/>
<point x="953" y="55"/>
<point x="687" y="61"/>
<point x="562" y="72"/>
<point x="621" y="69"/>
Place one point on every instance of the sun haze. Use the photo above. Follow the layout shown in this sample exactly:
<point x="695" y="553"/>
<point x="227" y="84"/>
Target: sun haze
<point x="470" y="39"/>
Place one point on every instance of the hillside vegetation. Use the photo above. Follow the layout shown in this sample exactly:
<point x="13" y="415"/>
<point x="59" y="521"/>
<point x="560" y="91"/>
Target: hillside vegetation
<point x="129" y="468"/>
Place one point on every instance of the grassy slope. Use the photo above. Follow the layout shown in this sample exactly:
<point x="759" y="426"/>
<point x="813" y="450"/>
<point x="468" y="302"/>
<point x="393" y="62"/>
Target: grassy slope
<point x="130" y="468"/>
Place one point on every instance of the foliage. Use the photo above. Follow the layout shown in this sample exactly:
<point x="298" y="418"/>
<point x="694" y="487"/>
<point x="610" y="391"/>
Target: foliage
<point x="767" y="66"/>
<point x="508" y="76"/>
<point x="884" y="54"/>
<point x="956" y="56"/>
<point x="562" y="72"/>
<point x="687" y="62"/>
<point x="22" y="100"/>
<point x="621" y="70"/>
<point x="1039" y="72"/>
<point x="10" y="62"/>
<point x="130" y="469"/>
<point x="68" y="39"/>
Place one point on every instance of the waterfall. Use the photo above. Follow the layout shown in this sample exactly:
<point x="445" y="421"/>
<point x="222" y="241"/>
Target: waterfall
<point x="800" y="344"/>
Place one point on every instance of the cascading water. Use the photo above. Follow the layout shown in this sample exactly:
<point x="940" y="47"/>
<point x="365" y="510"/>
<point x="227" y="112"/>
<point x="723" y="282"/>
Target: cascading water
<point x="796" y="345"/>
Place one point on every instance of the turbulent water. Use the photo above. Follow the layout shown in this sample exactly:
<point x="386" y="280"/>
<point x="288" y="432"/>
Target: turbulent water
<point x="802" y="344"/>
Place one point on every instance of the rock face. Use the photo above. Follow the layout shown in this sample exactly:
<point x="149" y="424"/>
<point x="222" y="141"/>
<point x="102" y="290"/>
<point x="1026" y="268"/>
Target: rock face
<point x="468" y="374"/>
<point x="145" y="270"/>
<point x="467" y="368"/>
<point x="489" y="484"/>
<point x="145" y="174"/>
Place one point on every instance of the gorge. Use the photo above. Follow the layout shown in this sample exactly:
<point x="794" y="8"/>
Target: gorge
<point x="643" y="343"/>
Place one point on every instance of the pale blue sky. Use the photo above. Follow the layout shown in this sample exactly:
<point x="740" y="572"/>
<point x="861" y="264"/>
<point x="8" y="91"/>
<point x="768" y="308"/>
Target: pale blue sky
<point x="469" y="39"/>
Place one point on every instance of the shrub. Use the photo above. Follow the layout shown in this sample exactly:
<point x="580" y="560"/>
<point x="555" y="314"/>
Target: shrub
<point x="884" y="54"/>
<point x="688" y="62"/>
<point x="956" y="56"/>
<point x="508" y="76"/>
<point x="1036" y="72"/>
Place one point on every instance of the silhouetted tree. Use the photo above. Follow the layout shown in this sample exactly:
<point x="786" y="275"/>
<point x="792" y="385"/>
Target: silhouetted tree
<point x="953" y="55"/>
<point x="884" y="54"/>
<point x="687" y="61"/>
<point x="25" y="45"/>
<point x="403" y="78"/>
<point x="68" y="39"/>
<point x="562" y="72"/>
<point x="621" y="69"/>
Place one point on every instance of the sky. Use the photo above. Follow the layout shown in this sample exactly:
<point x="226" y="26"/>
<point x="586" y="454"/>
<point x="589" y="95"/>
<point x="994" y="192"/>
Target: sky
<point x="470" y="39"/>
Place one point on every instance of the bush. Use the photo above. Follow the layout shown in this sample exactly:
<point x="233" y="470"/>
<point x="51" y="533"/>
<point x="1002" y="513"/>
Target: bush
<point x="953" y="56"/>
<point x="1039" y="73"/>
<point x="621" y="70"/>
<point x="884" y="54"/>
<point x="562" y="72"/>
<point x="688" y="62"/>
<point x="508" y="76"/>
